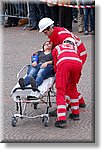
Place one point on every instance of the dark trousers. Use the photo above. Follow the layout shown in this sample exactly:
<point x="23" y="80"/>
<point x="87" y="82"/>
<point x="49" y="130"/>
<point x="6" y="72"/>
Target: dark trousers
<point x="36" y="13"/>
<point x="55" y="14"/>
<point x="65" y="17"/>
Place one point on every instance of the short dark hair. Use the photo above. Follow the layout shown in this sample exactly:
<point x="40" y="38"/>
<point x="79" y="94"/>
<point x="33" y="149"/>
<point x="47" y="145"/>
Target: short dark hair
<point x="49" y="27"/>
<point x="70" y="42"/>
<point x="44" y="44"/>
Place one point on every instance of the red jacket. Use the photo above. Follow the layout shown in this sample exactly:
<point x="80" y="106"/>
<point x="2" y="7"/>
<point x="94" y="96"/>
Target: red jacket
<point x="63" y="53"/>
<point x="60" y="34"/>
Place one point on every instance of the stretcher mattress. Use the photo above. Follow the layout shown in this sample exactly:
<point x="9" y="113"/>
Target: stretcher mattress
<point x="43" y="88"/>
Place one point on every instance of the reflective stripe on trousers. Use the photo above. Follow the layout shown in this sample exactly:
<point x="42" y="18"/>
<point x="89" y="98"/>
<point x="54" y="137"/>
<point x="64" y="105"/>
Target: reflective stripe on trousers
<point x="61" y="112"/>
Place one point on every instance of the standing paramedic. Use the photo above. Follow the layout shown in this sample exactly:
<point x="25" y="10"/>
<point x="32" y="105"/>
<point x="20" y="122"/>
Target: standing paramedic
<point x="57" y="35"/>
<point x="68" y="66"/>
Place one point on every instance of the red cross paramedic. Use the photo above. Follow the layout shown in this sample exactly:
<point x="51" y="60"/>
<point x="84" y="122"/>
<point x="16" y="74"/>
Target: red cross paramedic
<point x="57" y="35"/>
<point x="68" y="68"/>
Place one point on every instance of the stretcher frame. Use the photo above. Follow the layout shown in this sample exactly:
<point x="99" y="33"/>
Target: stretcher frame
<point x="21" y="103"/>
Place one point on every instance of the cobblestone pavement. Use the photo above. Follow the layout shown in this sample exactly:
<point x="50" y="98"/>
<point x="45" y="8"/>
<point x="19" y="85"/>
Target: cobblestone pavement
<point x="18" y="45"/>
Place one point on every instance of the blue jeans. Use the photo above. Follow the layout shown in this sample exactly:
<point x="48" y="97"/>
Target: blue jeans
<point x="89" y="12"/>
<point x="39" y="74"/>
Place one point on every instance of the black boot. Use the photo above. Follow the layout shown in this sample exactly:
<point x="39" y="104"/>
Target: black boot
<point x="60" y="124"/>
<point x="74" y="116"/>
<point x="33" y="83"/>
<point x="82" y="105"/>
<point x="21" y="83"/>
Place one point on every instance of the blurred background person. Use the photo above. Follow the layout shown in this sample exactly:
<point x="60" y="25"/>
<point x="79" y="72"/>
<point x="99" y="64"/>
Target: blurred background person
<point x="89" y="17"/>
<point x="80" y="17"/>
<point x="65" y="17"/>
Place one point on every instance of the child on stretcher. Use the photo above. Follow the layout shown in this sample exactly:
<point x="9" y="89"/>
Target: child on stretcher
<point x="41" y="68"/>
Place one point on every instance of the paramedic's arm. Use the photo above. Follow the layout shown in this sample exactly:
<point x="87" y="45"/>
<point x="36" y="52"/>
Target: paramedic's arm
<point x="63" y="35"/>
<point x="44" y="65"/>
<point x="82" y="52"/>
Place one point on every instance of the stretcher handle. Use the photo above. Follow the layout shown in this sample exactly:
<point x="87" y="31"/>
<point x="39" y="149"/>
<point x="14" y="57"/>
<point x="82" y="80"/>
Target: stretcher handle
<point x="25" y="88"/>
<point x="18" y="75"/>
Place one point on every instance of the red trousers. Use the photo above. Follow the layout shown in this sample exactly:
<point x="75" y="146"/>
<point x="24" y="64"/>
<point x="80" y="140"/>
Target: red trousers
<point x="67" y="76"/>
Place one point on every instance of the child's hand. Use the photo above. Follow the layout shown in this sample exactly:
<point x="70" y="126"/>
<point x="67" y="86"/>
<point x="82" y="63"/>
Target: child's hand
<point x="44" y="65"/>
<point x="34" y="64"/>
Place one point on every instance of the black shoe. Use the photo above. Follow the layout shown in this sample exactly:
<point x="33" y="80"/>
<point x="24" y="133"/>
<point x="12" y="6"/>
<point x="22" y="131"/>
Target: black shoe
<point x="53" y="113"/>
<point x="74" y="117"/>
<point x="75" y="20"/>
<point x="92" y="32"/>
<point x="82" y="105"/>
<point x="7" y="25"/>
<point x="33" y="28"/>
<point x="33" y="83"/>
<point x="86" y="33"/>
<point x="60" y="124"/>
<point x="21" y="83"/>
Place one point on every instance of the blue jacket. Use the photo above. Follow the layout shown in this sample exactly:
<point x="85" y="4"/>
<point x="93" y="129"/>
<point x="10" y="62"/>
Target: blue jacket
<point x="40" y="57"/>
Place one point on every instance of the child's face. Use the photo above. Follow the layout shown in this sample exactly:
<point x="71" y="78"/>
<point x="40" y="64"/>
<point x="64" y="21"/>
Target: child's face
<point x="48" y="46"/>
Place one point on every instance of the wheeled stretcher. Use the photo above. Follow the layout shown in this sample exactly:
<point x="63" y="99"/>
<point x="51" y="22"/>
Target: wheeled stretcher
<point x="22" y="97"/>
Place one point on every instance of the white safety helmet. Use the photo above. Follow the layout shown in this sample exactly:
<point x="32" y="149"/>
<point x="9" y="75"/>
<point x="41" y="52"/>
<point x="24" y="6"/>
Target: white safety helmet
<point x="44" y="23"/>
<point x="71" y="41"/>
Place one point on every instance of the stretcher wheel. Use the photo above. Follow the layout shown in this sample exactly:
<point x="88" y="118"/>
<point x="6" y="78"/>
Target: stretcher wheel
<point x="45" y="120"/>
<point x="14" y="121"/>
